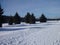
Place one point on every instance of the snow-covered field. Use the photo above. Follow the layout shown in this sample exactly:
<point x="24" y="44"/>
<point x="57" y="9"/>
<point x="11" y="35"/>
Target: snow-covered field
<point x="31" y="34"/>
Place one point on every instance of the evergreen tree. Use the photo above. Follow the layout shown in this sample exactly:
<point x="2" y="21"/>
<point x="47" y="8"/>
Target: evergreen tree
<point x="43" y="18"/>
<point x="27" y="18"/>
<point x="17" y="18"/>
<point x="1" y="12"/>
<point x="32" y="19"/>
<point x="10" y="20"/>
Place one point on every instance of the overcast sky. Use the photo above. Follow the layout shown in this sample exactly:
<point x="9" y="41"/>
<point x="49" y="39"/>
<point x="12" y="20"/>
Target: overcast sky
<point x="51" y="8"/>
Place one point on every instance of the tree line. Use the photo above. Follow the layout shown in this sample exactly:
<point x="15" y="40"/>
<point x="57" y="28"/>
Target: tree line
<point x="16" y="19"/>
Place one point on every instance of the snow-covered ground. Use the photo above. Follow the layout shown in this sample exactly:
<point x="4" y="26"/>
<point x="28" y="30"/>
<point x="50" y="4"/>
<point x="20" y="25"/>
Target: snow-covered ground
<point x="31" y="34"/>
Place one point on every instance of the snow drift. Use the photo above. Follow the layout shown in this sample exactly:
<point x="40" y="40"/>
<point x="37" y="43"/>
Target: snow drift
<point x="31" y="34"/>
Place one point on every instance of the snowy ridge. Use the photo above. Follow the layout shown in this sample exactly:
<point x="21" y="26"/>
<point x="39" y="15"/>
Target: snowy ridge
<point x="31" y="34"/>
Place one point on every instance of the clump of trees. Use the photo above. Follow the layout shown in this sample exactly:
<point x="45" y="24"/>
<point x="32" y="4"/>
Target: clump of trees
<point x="43" y="18"/>
<point x="1" y="12"/>
<point x="30" y="18"/>
<point x="16" y="19"/>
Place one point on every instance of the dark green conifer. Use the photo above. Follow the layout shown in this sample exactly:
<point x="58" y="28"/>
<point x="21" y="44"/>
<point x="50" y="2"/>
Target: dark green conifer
<point x="43" y="18"/>
<point x="17" y="18"/>
<point x="27" y="18"/>
<point x="1" y="12"/>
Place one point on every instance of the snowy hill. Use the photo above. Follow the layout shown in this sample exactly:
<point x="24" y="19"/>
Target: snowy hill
<point x="31" y="34"/>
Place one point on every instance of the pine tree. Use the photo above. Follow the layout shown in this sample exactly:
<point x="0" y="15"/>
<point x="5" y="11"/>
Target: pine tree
<point x="32" y="19"/>
<point x="17" y="18"/>
<point x="1" y="12"/>
<point x="43" y="18"/>
<point x="27" y="18"/>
